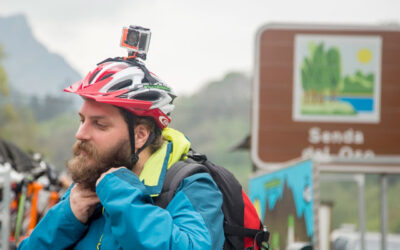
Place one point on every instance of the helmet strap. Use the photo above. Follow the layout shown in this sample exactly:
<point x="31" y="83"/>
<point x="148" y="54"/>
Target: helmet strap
<point x="150" y="139"/>
<point x="131" y="129"/>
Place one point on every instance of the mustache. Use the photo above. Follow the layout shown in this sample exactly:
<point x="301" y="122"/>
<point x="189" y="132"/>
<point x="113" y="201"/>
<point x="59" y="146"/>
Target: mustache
<point x="86" y="169"/>
<point x="85" y="146"/>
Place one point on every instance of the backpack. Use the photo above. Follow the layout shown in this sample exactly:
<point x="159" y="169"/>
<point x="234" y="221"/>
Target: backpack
<point x="242" y="226"/>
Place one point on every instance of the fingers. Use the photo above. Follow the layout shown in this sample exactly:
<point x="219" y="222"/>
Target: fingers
<point x="107" y="172"/>
<point x="83" y="202"/>
<point x="84" y="196"/>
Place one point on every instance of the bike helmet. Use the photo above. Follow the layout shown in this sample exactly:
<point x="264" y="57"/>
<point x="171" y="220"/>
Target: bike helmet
<point x="129" y="85"/>
<point x="126" y="83"/>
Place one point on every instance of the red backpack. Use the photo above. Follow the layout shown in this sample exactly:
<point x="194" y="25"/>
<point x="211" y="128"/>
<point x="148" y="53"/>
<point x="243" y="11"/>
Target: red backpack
<point x="242" y="226"/>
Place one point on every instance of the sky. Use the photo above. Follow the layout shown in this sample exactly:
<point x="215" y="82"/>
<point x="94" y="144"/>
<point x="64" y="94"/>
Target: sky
<point x="193" y="42"/>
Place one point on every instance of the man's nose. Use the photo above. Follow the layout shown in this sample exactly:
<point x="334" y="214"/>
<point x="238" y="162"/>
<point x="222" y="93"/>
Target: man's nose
<point x="83" y="132"/>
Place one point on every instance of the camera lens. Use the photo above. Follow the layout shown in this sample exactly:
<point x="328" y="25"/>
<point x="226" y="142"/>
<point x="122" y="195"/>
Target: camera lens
<point x="132" y="38"/>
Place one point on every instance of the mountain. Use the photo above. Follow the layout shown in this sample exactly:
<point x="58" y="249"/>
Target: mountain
<point x="31" y="68"/>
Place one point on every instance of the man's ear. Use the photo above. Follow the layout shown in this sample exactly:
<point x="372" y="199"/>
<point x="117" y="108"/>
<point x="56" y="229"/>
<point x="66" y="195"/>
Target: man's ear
<point x="141" y="135"/>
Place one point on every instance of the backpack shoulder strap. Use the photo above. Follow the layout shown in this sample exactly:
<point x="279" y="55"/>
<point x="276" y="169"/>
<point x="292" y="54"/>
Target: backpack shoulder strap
<point x="173" y="178"/>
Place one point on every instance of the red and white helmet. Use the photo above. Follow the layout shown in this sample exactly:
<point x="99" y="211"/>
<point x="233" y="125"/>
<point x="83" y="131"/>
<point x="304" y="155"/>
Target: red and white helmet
<point x="129" y="85"/>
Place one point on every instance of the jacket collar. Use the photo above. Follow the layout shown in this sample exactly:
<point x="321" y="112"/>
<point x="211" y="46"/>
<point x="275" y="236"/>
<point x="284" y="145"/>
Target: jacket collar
<point x="175" y="148"/>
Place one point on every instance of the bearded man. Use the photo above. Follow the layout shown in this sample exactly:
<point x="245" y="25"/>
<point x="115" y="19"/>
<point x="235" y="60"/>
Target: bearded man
<point x="122" y="153"/>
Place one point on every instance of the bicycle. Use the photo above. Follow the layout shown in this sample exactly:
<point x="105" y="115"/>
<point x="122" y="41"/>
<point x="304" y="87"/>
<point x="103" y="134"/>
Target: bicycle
<point x="26" y="205"/>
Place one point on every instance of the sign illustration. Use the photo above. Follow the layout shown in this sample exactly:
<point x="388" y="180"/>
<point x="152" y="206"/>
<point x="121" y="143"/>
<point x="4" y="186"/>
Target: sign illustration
<point x="337" y="78"/>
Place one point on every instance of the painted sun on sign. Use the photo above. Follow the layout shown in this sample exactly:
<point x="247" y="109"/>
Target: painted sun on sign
<point x="337" y="78"/>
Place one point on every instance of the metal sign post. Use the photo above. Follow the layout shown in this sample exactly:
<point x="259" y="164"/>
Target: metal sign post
<point x="384" y="213"/>
<point x="378" y="165"/>
<point x="361" y="204"/>
<point x="360" y="180"/>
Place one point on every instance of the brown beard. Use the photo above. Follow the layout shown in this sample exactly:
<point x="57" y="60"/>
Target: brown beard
<point x="86" y="169"/>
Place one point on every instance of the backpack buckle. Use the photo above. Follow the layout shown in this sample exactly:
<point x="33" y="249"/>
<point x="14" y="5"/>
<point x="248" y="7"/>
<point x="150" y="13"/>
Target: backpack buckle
<point x="262" y="239"/>
<point x="197" y="157"/>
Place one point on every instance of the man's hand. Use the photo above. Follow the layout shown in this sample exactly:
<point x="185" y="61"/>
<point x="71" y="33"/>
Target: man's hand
<point x="83" y="202"/>
<point x="107" y="172"/>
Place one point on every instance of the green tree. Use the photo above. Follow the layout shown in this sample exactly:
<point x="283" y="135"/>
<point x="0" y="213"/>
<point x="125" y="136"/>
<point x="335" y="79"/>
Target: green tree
<point x="3" y="77"/>
<point x="306" y="81"/>
<point x="6" y="109"/>
<point x="313" y="74"/>
<point x="16" y="124"/>
<point x="333" y="70"/>
<point x="320" y="73"/>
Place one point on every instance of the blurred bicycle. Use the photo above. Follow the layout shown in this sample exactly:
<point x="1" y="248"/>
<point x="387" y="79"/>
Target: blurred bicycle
<point x="35" y="189"/>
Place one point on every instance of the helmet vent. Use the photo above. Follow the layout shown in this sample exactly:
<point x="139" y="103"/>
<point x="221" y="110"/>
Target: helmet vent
<point x="105" y="76"/>
<point x="147" y="96"/>
<point x="93" y="76"/>
<point x="121" y="85"/>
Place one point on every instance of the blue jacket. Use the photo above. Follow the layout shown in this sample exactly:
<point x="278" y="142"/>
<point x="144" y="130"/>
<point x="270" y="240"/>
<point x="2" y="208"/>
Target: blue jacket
<point x="127" y="219"/>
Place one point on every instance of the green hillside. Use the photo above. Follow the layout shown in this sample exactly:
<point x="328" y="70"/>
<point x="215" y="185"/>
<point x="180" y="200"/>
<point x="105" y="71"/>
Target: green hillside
<point x="359" y="83"/>
<point x="216" y="119"/>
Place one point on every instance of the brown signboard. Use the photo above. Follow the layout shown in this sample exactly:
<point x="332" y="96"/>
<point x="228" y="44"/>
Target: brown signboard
<point x="325" y="90"/>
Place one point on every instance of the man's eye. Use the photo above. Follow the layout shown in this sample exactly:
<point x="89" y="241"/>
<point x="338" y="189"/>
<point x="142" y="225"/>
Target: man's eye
<point x="101" y="125"/>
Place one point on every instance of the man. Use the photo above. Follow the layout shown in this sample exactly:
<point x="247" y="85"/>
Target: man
<point x="121" y="156"/>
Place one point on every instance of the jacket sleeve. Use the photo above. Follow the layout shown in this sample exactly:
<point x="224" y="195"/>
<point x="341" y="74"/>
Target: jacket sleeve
<point x="192" y="220"/>
<point x="59" y="229"/>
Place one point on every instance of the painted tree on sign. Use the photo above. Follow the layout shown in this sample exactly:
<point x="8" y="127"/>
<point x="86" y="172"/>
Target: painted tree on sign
<point x="320" y="73"/>
<point x="333" y="70"/>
